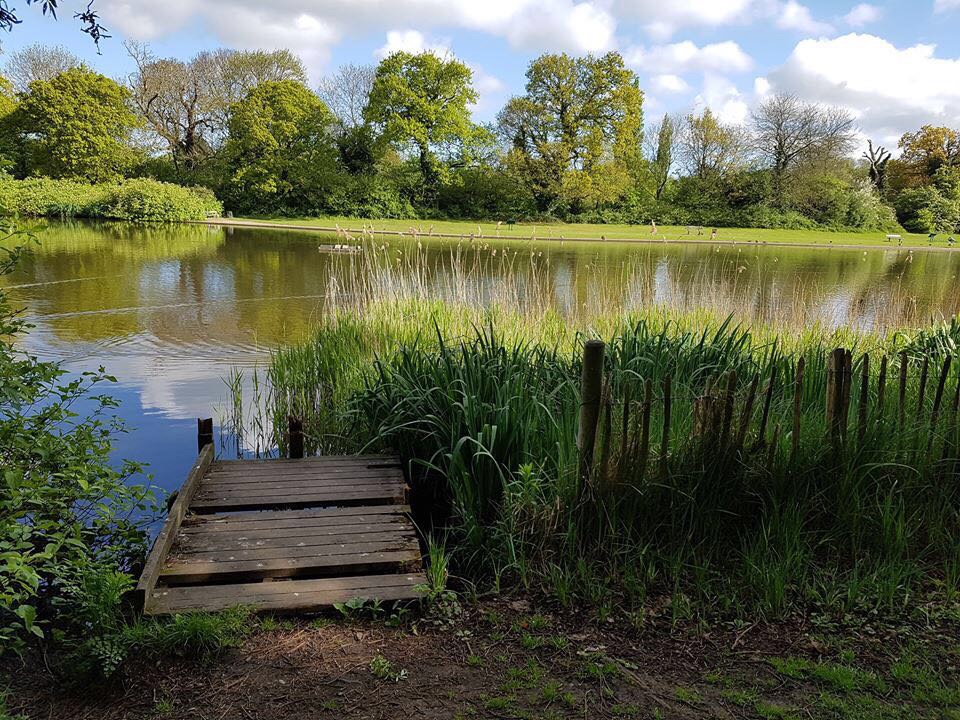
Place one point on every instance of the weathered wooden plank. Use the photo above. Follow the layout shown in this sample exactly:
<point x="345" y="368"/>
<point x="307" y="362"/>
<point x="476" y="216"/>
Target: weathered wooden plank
<point x="387" y="489"/>
<point x="357" y="563"/>
<point x="221" y="542"/>
<point x="290" y="595"/>
<point x="171" y="525"/>
<point x="290" y="528"/>
<point x="318" y="547"/>
<point x="240" y="484"/>
<point x="293" y="518"/>
<point x="295" y="473"/>
<point x="322" y="461"/>
<point x="345" y="497"/>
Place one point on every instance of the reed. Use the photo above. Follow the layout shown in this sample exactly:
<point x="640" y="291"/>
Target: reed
<point x="719" y="477"/>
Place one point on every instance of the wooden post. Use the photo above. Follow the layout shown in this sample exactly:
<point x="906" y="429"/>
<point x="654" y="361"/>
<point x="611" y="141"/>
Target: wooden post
<point x="665" y="440"/>
<point x="797" y="400"/>
<point x="204" y="433"/>
<point x="295" y="438"/>
<point x="864" y="398"/>
<point x="591" y="387"/>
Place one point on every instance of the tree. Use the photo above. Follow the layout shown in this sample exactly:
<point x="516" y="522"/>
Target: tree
<point x="38" y="62"/>
<point x="10" y="143"/>
<point x="924" y="152"/>
<point x="280" y="151"/>
<point x="789" y="132"/>
<point x="709" y="147"/>
<point x="419" y="103"/>
<point x="187" y="104"/>
<point x="79" y="125"/>
<point x="877" y="160"/>
<point x="578" y="113"/>
<point x="347" y="91"/>
<point x="662" y="153"/>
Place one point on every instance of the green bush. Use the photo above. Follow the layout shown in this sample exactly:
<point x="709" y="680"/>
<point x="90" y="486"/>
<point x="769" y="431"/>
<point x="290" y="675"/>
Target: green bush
<point x="144" y="200"/>
<point x="138" y="200"/>
<point x="72" y="523"/>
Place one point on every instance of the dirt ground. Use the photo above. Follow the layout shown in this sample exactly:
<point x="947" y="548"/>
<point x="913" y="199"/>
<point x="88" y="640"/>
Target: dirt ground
<point x="506" y="659"/>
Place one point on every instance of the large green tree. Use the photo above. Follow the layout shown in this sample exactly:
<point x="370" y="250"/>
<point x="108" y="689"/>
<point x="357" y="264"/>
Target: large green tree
<point x="579" y="122"/>
<point x="420" y="104"/>
<point x="78" y="126"/>
<point x="280" y="153"/>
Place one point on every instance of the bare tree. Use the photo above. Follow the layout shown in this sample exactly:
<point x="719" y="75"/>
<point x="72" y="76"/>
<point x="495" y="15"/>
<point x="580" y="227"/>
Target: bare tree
<point x="789" y="132"/>
<point x="187" y="104"/>
<point x="38" y="62"/>
<point x="346" y="92"/>
<point x="709" y="147"/>
<point x="877" y="159"/>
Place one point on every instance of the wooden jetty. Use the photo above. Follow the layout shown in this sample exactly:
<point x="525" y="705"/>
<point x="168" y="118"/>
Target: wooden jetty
<point x="289" y="535"/>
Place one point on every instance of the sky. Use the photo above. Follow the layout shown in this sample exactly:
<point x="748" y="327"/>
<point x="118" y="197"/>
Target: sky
<point x="895" y="64"/>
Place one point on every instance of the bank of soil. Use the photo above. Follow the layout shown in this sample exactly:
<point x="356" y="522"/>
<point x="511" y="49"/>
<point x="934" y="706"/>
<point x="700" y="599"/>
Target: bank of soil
<point x="506" y="659"/>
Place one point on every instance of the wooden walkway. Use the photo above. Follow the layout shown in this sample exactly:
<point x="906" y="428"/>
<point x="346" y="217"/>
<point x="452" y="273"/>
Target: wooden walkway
<point x="284" y="535"/>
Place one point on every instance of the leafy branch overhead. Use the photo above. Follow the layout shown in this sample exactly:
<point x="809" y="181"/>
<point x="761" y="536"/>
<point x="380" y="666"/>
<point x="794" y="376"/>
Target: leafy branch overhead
<point x="88" y="17"/>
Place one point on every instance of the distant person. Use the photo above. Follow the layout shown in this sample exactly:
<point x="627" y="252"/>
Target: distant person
<point x="713" y="234"/>
<point x="653" y="227"/>
<point x="931" y="237"/>
<point x="951" y="240"/>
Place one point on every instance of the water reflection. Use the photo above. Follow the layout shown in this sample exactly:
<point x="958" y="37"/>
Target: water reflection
<point x="169" y="310"/>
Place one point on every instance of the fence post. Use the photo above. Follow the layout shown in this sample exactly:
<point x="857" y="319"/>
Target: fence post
<point x="591" y="388"/>
<point x="295" y="441"/>
<point x="204" y="433"/>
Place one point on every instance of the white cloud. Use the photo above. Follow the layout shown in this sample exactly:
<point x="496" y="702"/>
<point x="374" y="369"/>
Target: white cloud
<point x="411" y="41"/>
<point x="723" y="98"/>
<point x="761" y="87"/>
<point x="669" y="83"/>
<point x="889" y="89"/>
<point x="683" y="57"/>
<point x="794" y="16"/>
<point x="862" y="14"/>
<point x="311" y="27"/>
<point x="944" y="5"/>
<point x="662" y="19"/>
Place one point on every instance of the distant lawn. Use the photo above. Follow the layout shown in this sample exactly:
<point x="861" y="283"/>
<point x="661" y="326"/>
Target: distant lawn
<point x="611" y="232"/>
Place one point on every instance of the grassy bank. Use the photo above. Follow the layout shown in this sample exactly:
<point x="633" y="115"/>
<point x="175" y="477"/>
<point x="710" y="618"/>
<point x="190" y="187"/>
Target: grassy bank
<point x="702" y="493"/>
<point x="559" y="231"/>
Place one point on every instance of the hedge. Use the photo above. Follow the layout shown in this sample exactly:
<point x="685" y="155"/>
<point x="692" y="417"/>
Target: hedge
<point x="136" y="200"/>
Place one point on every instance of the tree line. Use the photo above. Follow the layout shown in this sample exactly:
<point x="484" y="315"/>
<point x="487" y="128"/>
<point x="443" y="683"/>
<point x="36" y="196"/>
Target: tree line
<point x="399" y="140"/>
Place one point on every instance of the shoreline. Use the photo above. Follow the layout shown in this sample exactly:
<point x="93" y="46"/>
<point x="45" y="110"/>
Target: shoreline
<point x="266" y="224"/>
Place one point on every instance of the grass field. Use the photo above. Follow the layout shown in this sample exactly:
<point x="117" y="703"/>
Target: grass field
<point x="562" y="231"/>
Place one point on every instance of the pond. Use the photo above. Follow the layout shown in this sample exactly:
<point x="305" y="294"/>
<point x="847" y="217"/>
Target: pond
<point x="170" y="310"/>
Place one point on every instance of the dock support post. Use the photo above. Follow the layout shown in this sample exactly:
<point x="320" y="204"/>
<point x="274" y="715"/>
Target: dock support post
<point x="204" y="433"/>
<point x="295" y="440"/>
<point x="591" y="387"/>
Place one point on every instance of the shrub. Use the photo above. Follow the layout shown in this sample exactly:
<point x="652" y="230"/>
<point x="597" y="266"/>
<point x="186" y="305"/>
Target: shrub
<point x="71" y="522"/>
<point x="144" y="200"/>
<point x="138" y="200"/>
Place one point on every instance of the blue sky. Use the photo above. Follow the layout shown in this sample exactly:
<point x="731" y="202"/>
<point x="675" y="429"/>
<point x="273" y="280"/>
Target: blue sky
<point x="894" y="63"/>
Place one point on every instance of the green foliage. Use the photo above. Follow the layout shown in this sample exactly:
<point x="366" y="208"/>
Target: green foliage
<point x="77" y="126"/>
<point x="419" y="102"/>
<point x="281" y="154"/>
<point x="926" y="210"/>
<point x="71" y="521"/>
<point x="139" y="200"/>
<point x="485" y="408"/>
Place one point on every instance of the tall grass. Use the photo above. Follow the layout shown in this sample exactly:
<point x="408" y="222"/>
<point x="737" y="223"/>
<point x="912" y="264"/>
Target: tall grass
<point x="722" y="510"/>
